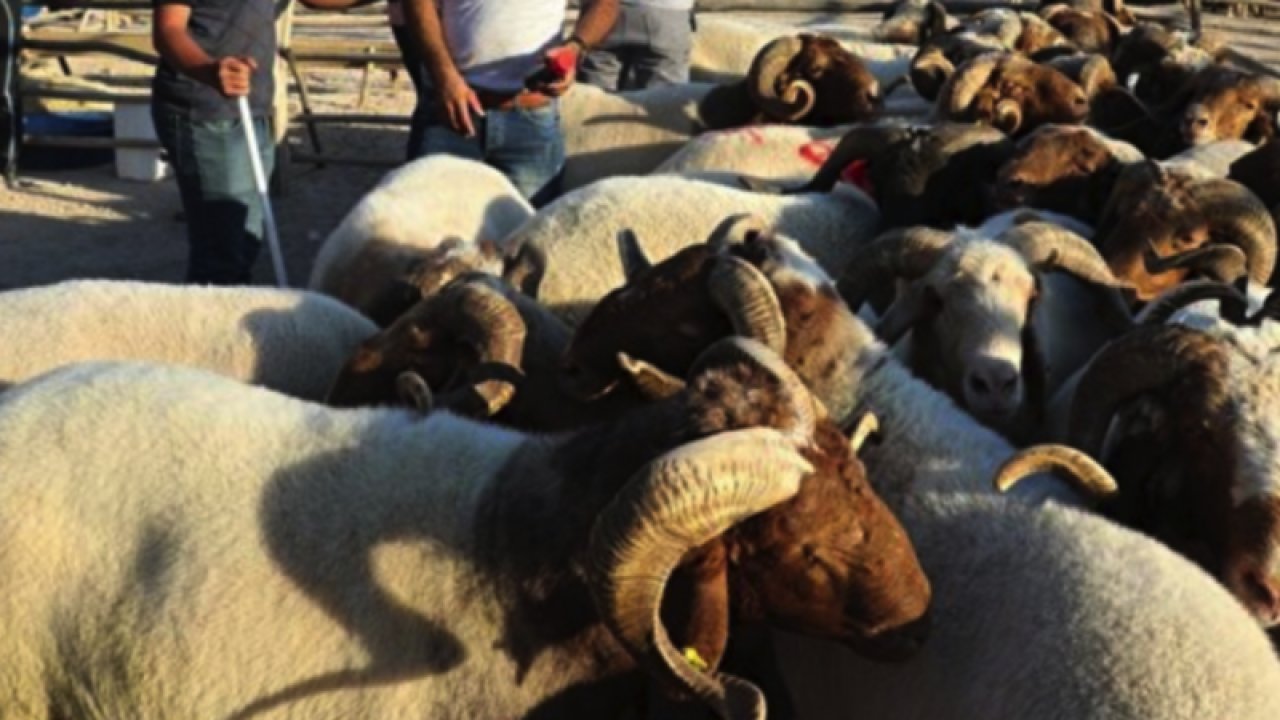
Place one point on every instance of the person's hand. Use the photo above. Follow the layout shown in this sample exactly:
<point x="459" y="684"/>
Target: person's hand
<point x="564" y="59"/>
<point x="459" y="101"/>
<point x="232" y="75"/>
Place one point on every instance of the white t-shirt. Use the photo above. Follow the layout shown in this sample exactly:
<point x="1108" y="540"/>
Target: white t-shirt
<point x="496" y="44"/>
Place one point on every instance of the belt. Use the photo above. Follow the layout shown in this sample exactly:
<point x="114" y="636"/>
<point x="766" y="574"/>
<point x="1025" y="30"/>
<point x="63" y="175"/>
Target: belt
<point x="523" y="100"/>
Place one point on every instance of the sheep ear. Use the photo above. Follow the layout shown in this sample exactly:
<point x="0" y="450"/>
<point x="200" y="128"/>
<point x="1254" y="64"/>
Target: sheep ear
<point x="653" y="383"/>
<point x="524" y="268"/>
<point x="414" y="392"/>
<point x="634" y="259"/>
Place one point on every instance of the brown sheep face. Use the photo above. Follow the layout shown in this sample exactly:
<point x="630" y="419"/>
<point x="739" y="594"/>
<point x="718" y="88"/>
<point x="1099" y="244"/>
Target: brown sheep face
<point x="1089" y="31"/>
<point x="1020" y="96"/>
<point x="847" y="91"/>
<point x="1229" y="106"/>
<point x="369" y="378"/>
<point x="664" y="316"/>
<point x="1065" y="170"/>
<point x="833" y="561"/>
<point x="1150" y="207"/>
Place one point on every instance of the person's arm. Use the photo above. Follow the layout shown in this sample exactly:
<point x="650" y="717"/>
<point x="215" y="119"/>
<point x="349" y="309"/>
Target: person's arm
<point x="595" y="20"/>
<point x="228" y="75"/>
<point x="459" y="100"/>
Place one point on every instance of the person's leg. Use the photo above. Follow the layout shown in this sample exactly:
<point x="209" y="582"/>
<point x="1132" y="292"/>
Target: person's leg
<point x="10" y="103"/>
<point x="417" y="73"/>
<point x="528" y="147"/>
<point x="664" y="57"/>
<point x="604" y="66"/>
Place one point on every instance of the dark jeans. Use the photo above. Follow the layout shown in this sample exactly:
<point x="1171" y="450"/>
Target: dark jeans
<point x="10" y="103"/>
<point x="224" y="213"/>
<point x="648" y="47"/>
<point x="526" y="145"/>
<point x="417" y="73"/>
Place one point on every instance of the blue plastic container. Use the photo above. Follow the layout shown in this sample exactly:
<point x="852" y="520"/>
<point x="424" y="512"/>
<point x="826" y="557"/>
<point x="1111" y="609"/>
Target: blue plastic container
<point x="80" y="124"/>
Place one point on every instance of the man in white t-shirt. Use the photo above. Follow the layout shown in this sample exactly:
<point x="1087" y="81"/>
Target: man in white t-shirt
<point x="491" y="97"/>
<point x="649" y="46"/>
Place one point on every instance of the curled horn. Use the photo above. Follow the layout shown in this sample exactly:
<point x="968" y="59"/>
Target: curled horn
<point x="907" y="253"/>
<point x="1008" y="116"/>
<point x="678" y="502"/>
<point x="1142" y="360"/>
<point x="484" y="319"/>
<point x="1158" y="311"/>
<point x="744" y="294"/>
<point x="1051" y="247"/>
<point x="1088" y="476"/>
<point x="1222" y="263"/>
<point x="651" y="381"/>
<point x="861" y="142"/>
<point x="414" y="392"/>
<point x="797" y="99"/>
<point x="958" y="92"/>
<point x="1237" y="217"/>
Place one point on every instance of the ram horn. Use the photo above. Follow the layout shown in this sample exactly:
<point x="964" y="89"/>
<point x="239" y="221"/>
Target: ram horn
<point x="797" y="99"/>
<point x="733" y="351"/>
<point x="414" y="392"/>
<point x="652" y="382"/>
<point x="744" y="294"/>
<point x="1008" y="116"/>
<point x="957" y="94"/>
<point x="1088" y="476"/>
<point x="1237" y="217"/>
<point x="484" y="319"/>
<point x="734" y="230"/>
<point x="907" y="253"/>
<point x="862" y="142"/>
<point x="634" y="259"/>
<point x="1222" y="263"/>
<point x="1052" y="247"/>
<point x="678" y="502"/>
<point x="1233" y="302"/>
<point x="1142" y="360"/>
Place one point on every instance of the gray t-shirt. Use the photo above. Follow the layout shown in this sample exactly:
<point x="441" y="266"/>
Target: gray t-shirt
<point x="222" y="28"/>
<point x="661" y="4"/>
<point x="496" y="44"/>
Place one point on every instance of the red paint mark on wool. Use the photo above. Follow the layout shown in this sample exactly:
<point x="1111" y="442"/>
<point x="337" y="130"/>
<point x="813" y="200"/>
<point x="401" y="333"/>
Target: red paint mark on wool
<point x="815" y="152"/>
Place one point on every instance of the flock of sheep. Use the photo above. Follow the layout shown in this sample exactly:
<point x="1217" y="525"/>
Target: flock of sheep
<point x="780" y="391"/>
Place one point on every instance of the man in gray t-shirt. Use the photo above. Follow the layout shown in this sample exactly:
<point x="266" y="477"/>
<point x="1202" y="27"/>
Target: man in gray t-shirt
<point x="649" y="46"/>
<point x="492" y="96"/>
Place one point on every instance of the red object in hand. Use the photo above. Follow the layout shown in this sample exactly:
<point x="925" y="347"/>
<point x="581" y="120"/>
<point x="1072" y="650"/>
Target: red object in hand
<point x="561" y="61"/>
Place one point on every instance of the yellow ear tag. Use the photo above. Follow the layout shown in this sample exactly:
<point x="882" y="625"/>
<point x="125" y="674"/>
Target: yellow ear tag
<point x="695" y="660"/>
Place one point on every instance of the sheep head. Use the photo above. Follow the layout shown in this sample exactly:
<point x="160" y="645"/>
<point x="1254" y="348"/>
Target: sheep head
<point x="1095" y="32"/>
<point x="1011" y="93"/>
<point x="1154" y="210"/>
<point x="465" y="343"/>
<point x="814" y="80"/>
<point x="1193" y="449"/>
<point x="1062" y="168"/>
<point x="969" y="303"/>
<point x="1227" y="104"/>
<point x="911" y="22"/>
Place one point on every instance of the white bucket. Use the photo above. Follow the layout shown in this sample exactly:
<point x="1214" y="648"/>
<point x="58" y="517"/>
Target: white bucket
<point x="133" y="122"/>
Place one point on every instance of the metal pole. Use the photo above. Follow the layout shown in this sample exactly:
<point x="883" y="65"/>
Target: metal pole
<point x="260" y="183"/>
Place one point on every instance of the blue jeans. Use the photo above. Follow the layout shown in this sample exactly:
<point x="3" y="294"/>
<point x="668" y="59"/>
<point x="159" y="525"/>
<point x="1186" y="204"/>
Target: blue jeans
<point x="224" y="213"/>
<point x="525" y="145"/>
<point x="648" y="47"/>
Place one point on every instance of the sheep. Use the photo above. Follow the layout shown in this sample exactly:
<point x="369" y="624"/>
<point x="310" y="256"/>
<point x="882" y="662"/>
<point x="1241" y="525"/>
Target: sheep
<point x="567" y="257"/>
<point x="422" y="225"/>
<point x="1011" y="93"/>
<point x="293" y="342"/>
<point x="522" y="578"/>
<point x="764" y="286"/>
<point x="757" y="156"/>
<point x="1183" y="411"/>
<point x="936" y="464"/>
<point x="1089" y="30"/>
<point x="1049" y="612"/>
<point x="1157" y="63"/>
<point x="927" y="175"/>
<point x="911" y="22"/>
<point x="1228" y="104"/>
<point x="797" y="79"/>
<point x="482" y="350"/>
<point x="1259" y="170"/>
<point x="990" y="322"/>
<point x="1158" y="219"/>
<point x="1073" y="169"/>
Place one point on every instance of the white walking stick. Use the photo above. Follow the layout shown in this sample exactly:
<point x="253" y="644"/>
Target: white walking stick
<point x="260" y="182"/>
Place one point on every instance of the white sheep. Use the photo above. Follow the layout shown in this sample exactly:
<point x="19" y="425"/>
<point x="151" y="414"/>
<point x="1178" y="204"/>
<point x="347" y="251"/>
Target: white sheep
<point x="767" y="154"/>
<point x="178" y="545"/>
<point x="1049" y="612"/>
<point x="290" y="341"/>
<point x="1209" y="160"/>
<point x="422" y="224"/>
<point x="567" y="257"/>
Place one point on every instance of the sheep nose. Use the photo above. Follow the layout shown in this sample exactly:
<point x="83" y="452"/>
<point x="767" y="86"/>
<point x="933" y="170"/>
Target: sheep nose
<point x="992" y="385"/>
<point x="1264" y="590"/>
